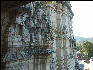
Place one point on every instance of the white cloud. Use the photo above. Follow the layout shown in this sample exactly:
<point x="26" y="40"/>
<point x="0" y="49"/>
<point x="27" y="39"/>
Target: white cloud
<point x="83" y="18"/>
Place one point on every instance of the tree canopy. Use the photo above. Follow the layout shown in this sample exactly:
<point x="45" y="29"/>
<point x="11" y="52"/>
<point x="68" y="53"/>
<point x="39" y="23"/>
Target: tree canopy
<point x="86" y="48"/>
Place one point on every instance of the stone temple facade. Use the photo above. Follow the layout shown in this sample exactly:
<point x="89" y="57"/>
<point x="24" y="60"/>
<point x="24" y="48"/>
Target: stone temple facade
<point x="40" y="37"/>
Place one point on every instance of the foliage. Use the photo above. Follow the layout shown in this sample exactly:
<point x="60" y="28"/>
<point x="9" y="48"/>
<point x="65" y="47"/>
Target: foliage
<point x="86" y="48"/>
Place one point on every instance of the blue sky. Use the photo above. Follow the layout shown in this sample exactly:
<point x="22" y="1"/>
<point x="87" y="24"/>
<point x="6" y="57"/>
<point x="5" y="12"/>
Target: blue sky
<point x="83" y="18"/>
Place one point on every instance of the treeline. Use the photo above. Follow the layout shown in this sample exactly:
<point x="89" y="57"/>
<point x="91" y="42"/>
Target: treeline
<point x="86" y="48"/>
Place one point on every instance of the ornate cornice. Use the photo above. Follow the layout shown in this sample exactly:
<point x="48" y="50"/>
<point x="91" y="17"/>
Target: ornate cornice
<point x="67" y="3"/>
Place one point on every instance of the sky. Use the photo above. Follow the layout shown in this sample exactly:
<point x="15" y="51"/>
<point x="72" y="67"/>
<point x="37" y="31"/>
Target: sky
<point x="83" y="18"/>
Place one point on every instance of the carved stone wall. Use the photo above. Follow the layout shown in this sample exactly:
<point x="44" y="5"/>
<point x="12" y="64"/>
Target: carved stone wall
<point x="41" y="37"/>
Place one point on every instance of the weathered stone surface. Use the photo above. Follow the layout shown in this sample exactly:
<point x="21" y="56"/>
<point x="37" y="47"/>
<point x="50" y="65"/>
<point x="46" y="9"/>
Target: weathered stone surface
<point x="42" y="37"/>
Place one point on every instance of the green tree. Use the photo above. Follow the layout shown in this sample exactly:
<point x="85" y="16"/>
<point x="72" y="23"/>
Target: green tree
<point x="87" y="48"/>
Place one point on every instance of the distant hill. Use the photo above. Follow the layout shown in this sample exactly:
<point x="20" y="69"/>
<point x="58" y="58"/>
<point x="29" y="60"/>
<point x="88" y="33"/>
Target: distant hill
<point x="81" y="39"/>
